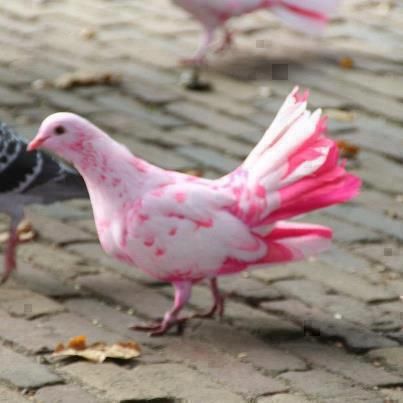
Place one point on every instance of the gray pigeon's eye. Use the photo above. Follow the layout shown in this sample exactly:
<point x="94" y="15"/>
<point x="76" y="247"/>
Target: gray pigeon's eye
<point x="59" y="130"/>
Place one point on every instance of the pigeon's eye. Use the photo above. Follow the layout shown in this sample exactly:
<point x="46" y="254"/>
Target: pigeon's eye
<point x="59" y="130"/>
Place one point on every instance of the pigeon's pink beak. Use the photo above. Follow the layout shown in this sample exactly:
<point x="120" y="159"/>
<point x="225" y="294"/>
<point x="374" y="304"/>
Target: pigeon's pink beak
<point x="36" y="142"/>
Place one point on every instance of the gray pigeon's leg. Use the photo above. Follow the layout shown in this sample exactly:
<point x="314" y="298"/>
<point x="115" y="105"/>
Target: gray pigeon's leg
<point x="10" y="252"/>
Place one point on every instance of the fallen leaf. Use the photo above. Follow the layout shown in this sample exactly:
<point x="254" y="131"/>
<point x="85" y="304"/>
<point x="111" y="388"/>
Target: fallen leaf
<point x="80" y="79"/>
<point x="340" y="115"/>
<point x="88" y="33"/>
<point x="77" y="343"/>
<point x="346" y="63"/>
<point x="25" y="233"/>
<point x="347" y="149"/>
<point x="97" y="352"/>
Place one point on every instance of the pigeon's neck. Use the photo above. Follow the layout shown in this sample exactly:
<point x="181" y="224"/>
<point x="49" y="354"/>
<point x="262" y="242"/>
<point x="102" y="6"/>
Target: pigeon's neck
<point x="113" y="175"/>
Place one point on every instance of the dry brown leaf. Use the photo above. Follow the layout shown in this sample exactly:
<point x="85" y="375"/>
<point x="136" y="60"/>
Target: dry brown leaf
<point x="97" y="352"/>
<point x="77" y="343"/>
<point x="340" y="115"/>
<point x="86" y="79"/>
<point x="347" y="149"/>
<point x="25" y="233"/>
<point x="346" y="63"/>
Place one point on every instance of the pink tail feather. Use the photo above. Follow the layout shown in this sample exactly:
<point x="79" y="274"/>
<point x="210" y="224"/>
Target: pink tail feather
<point x="310" y="16"/>
<point x="293" y="170"/>
<point x="290" y="241"/>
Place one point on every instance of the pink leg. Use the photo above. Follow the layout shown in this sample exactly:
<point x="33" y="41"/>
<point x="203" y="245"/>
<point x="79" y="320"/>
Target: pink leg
<point x="183" y="291"/>
<point x="200" y="56"/>
<point x="9" y="258"/>
<point x="218" y="302"/>
<point x="227" y="41"/>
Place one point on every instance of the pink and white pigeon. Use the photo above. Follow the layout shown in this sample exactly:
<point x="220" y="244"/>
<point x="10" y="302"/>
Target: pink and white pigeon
<point x="183" y="229"/>
<point x="308" y="16"/>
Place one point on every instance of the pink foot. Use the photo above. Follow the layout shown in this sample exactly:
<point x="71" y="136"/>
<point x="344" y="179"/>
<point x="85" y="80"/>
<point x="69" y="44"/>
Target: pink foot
<point x="195" y="61"/>
<point x="160" y="328"/>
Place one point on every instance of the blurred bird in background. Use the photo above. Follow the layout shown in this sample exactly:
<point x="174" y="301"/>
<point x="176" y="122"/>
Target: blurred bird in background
<point x="30" y="178"/>
<point x="308" y="16"/>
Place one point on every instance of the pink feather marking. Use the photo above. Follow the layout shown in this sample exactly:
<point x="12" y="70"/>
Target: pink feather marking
<point x="143" y="217"/>
<point x="301" y="96"/>
<point x="125" y="234"/>
<point x="139" y="165"/>
<point x="124" y="258"/>
<point x="204" y="223"/>
<point x="116" y="182"/>
<point x="260" y="191"/>
<point x="158" y="192"/>
<point x="180" y="197"/>
<point x="149" y="242"/>
<point x="304" y="12"/>
<point x="160" y="252"/>
<point x="176" y="215"/>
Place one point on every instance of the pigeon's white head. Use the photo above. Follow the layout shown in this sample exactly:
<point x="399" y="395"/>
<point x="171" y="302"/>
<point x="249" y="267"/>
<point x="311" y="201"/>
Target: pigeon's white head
<point x="65" y="134"/>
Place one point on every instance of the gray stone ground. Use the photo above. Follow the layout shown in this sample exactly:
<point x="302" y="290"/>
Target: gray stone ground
<point x="327" y="330"/>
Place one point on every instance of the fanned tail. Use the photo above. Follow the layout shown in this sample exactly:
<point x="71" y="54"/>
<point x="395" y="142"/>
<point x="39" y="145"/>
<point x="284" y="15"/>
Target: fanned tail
<point x="309" y="16"/>
<point x="293" y="170"/>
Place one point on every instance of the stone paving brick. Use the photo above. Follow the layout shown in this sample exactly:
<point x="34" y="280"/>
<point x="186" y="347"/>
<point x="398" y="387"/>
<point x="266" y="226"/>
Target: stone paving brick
<point x="323" y="385"/>
<point x="251" y="348"/>
<point x="93" y="253"/>
<point x="46" y="333"/>
<point x="10" y="396"/>
<point x="283" y="398"/>
<point x="56" y="260"/>
<point x="43" y="282"/>
<point x="24" y="372"/>
<point x="391" y="357"/>
<point x="326" y="326"/>
<point x="209" y="158"/>
<point x="144" y="301"/>
<point x="64" y="394"/>
<point x="344" y="231"/>
<point x="21" y="303"/>
<point x="116" y="319"/>
<point x="56" y="231"/>
<point x="214" y="120"/>
<point x="335" y="360"/>
<point x="238" y="376"/>
<point x="152" y="382"/>
<point x="388" y="254"/>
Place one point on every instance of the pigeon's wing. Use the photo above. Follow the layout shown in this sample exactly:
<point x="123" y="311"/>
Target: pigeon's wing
<point x="187" y="232"/>
<point x="35" y="173"/>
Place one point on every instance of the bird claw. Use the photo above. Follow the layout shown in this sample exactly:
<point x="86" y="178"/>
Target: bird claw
<point x="218" y="307"/>
<point x="161" y="327"/>
<point x="193" y="61"/>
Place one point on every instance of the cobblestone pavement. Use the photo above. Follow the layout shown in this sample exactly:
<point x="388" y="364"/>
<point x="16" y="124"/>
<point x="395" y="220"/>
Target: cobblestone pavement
<point x="326" y="330"/>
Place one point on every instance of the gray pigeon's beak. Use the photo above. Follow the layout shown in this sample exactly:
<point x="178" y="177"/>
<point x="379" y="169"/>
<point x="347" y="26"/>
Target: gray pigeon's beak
<point x="36" y="142"/>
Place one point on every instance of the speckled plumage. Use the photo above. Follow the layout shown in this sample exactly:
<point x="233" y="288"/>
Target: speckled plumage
<point x="183" y="229"/>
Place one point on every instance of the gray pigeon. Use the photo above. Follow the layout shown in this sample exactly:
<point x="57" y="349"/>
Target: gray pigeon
<point x="30" y="178"/>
